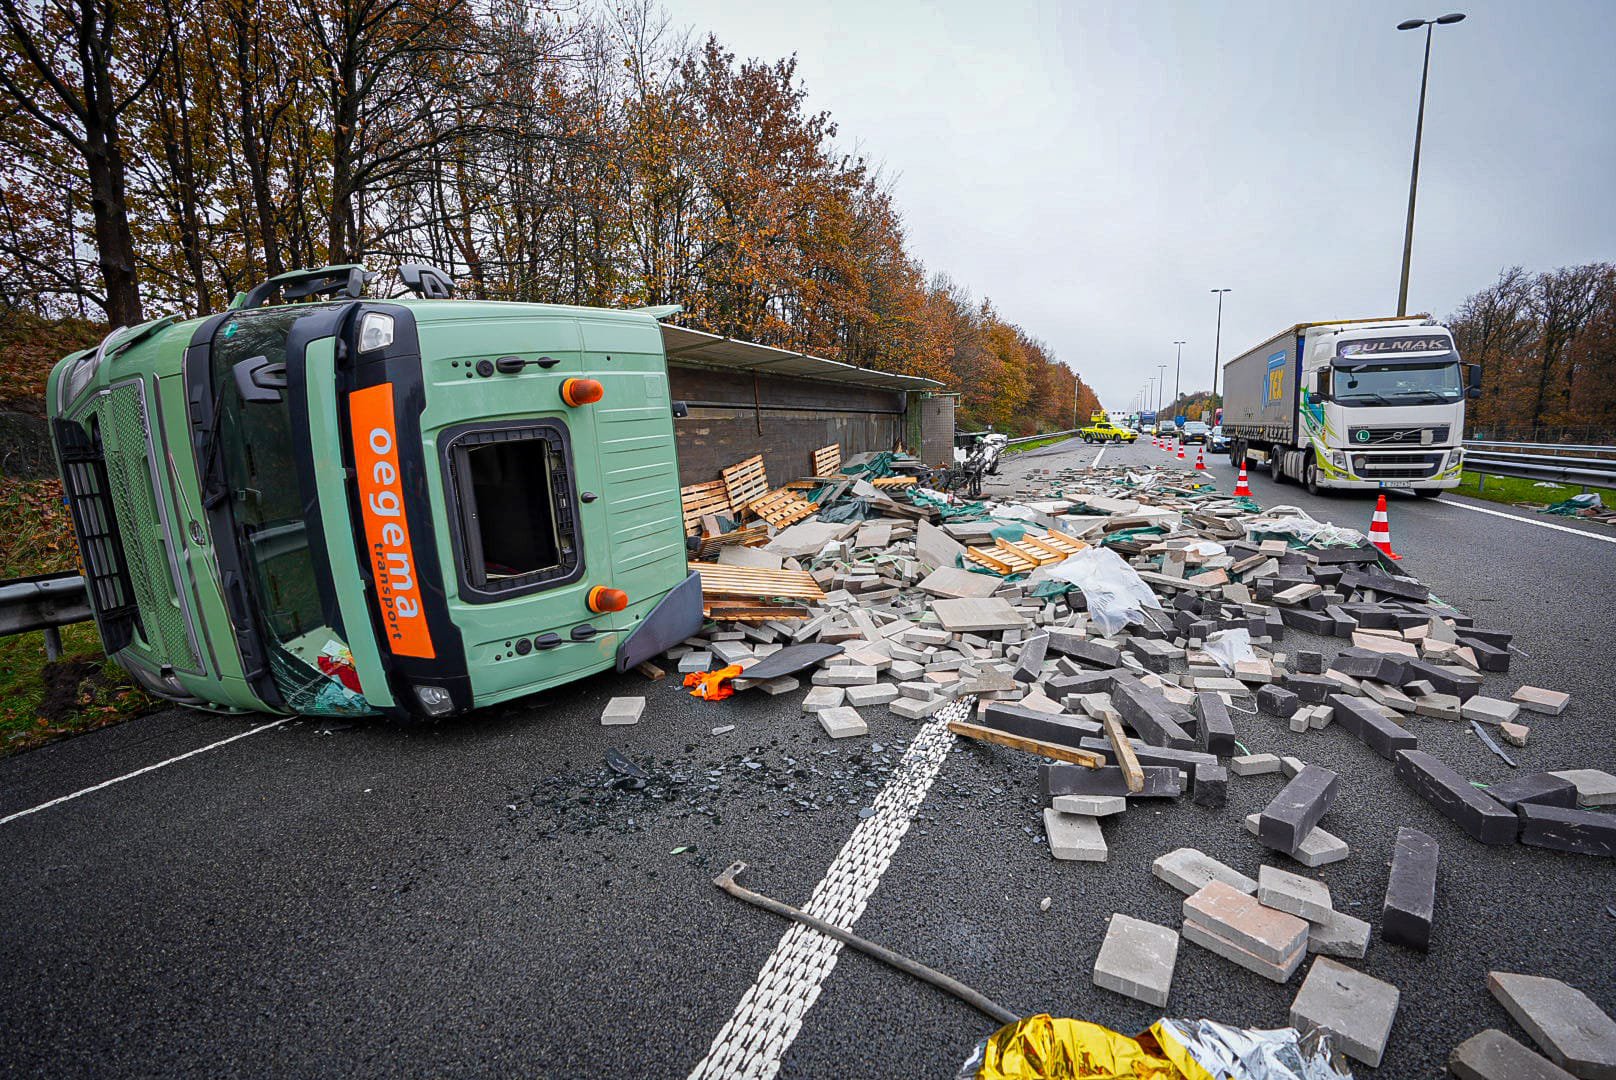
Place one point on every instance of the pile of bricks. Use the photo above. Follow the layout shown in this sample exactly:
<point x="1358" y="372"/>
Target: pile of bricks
<point x="1147" y="713"/>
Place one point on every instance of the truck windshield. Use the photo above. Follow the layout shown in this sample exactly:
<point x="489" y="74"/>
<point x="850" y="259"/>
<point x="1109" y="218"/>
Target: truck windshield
<point x="257" y="450"/>
<point x="1398" y="384"/>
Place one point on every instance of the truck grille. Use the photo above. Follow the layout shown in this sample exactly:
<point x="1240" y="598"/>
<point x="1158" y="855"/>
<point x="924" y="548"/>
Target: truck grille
<point x="1397" y="436"/>
<point x="1397" y="466"/>
<point x="84" y="476"/>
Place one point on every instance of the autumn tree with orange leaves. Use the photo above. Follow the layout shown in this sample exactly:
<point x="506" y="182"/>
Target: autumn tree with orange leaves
<point x="170" y="154"/>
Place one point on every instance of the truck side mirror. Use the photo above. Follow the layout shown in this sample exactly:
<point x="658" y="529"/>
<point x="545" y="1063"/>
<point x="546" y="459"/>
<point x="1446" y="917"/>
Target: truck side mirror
<point x="1474" y="374"/>
<point x="259" y="381"/>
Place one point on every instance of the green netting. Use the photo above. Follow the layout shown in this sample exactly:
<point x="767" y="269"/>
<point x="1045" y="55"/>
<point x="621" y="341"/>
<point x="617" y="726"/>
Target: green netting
<point x="1009" y="531"/>
<point x="878" y="466"/>
<point x="1129" y="534"/>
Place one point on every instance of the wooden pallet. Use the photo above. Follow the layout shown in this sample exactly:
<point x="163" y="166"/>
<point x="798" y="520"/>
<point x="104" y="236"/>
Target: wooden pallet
<point x="720" y="581"/>
<point x="746" y="482"/>
<point x="700" y="499"/>
<point x="746" y="536"/>
<point x="782" y="507"/>
<point x="893" y="481"/>
<point x="1024" y="555"/>
<point x="828" y="460"/>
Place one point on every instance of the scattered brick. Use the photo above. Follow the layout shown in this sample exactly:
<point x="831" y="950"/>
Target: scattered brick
<point x="623" y="710"/>
<point x="1318" y="848"/>
<point x="1161" y="782"/>
<point x="1492" y="1055"/>
<point x="1594" y="787"/>
<point x="1355" y="1008"/>
<point x="1340" y="935"/>
<point x="1488" y="710"/>
<point x="1254" y="764"/>
<point x="1568" y="1027"/>
<point x="1405" y="919"/>
<point x="1545" y="789"/>
<point x="842" y="722"/>
<point x="1584" y="832"/>
<point x="1297" y="808"/>
<point x="1477" y="813"/>
<point x="1090" y="805"/>
<point x="1189" y="870"/>
<point x="1278" y="701"/>
<point x="1370" y="727"/>
<point x="1538" y="700"/>
<point x="1073" y="837"/>
<point x="1137" y="960"/>
<point x="1294" y="894"/>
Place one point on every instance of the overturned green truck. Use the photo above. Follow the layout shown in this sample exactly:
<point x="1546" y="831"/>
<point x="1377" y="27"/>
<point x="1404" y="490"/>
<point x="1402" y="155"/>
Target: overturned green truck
<point x="341" y="505"/>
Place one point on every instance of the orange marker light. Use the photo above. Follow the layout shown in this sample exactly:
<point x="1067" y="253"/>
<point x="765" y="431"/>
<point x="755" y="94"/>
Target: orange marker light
<point x="576" y="392"/>
<point x="603" y="599"/>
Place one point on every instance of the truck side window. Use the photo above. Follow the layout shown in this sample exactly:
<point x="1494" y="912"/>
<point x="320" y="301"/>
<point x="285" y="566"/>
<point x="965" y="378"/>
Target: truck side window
<point x="515" y="503"/>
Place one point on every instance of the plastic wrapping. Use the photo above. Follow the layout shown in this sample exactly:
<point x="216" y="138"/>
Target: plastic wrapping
<point x="1114" y="592"/>
<point x="1296" y="522"/>
<point x="1228" y="647"/>
<point x="1045" y="1047"/>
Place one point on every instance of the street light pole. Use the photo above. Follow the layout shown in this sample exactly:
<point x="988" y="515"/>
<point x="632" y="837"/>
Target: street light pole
<point x="1178" y="371"/>
<point x="1419" y="132"/>
<point x="1217" y="348"/>
<point x="1160" y="385"/>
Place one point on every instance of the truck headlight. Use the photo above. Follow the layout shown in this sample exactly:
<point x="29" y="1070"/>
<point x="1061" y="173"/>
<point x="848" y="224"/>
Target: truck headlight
<point x="375" y="331"/>
<point x="1456" y="457"/>
<point x="1338" y="459"/>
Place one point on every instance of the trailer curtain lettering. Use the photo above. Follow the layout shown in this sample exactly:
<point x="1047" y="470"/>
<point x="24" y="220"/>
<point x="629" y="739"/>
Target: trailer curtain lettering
<point x="387" y="529"/>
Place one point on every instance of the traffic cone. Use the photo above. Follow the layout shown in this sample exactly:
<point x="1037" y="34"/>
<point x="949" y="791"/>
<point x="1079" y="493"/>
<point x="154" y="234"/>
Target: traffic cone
<point x="1241" y="486"/>
<point x="1380" y="533"/>
<point x="1181" y="449"/>
<point x="1200" y="457"/>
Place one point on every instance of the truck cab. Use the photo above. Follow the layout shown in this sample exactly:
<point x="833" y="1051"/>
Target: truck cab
<point x="414" y="506"/>
<point x="1364" y="405"/>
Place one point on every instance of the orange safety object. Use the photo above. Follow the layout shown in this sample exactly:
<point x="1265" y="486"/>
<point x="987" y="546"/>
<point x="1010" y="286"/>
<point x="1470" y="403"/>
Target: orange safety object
<point x="1200" y="457"/>
<point x="1380" y="530"/>
<point x="603" y="599"/>
<point x="1242" y="486"/>
<point x="713" y="685"/>
<point x="576" y="392"/>
<point x="1181" y="449"/>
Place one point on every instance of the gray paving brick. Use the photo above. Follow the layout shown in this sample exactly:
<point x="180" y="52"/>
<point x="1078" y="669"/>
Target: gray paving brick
<point x="1357" y="1009"/>
<point x="842" y="722"/>
<point x="1074" y="837"/>
<point x="1304" y="897"/>
<point x="1594" y="786"/>
<point x="1492" y="1055"/>
<point x="1137" y="960"/>
<point x="622" y="710"/>
<point x="1563" y="1021"/>
<point x="1341" y="935"/>
<point x="1090" y="805"/>
<point x="1188" y="870"/>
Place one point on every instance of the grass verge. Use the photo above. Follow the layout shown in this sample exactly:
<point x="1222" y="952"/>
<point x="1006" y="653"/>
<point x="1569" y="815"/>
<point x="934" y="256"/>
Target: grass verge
<point x="41" y="701"/>
<point x="1518" y="492"/>
<point x="1036" y="443"/>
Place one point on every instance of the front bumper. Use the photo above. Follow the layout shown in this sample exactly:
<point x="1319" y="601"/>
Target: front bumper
<point x="1439" y="468"/>
<point x="677" y="616"/>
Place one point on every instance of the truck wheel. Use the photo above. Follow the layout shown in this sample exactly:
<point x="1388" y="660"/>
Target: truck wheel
<point x="1310" y="475"/>
<point x="1276" y="464"/>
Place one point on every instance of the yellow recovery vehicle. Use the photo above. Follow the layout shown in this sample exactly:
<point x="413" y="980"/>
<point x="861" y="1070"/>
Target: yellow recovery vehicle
<point x="1101" y="429"/>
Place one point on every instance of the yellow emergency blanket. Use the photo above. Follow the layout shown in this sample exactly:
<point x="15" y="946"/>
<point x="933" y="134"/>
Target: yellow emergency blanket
<point x="1045" y="1047"/>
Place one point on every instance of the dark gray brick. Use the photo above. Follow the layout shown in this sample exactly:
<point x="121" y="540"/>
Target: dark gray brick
<point x="1405" y="919"/>
<point x="1215" y="730"/>
<point x="1544" y="789"/>
<point x="1032" y="724"/>
<point x="1480" y="815"/>
<point x="1365" y="723"/>
<point x="1157" y="720"/>
<point x="1161" y="781"/>
<point x="1585" y="832"/>
<point x="1210" y="786"/>
<point x="1297" y="808"/>
<point x="1278" y="701"/>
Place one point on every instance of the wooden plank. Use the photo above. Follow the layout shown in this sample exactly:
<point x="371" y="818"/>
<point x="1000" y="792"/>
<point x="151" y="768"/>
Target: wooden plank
<point x="650" y="670"/>
<point x="997" y="562"/>
<point x="782" y="507"/>
<point x="741" y="611"/>
<point x="1126" y="758"/>
<point x="893" y="481"/>
<point x="745" y="481"/>
<point x="1031" y="746"/>
<point x="700" y="500"/>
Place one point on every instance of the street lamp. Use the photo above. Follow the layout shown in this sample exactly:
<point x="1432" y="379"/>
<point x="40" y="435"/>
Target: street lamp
<point x="1217" y="346"/>
<point x="1178" y="369"/>
<point x="1419" y="131"/>
<point x="1161" y="385"/>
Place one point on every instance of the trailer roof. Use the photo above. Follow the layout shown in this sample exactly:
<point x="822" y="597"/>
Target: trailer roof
<point x="701" y="349"/>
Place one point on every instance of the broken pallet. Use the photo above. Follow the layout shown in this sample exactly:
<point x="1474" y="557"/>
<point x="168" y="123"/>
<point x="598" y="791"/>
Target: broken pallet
<point x="699" y="500"/>
<point x="746" y="536"/>
<point x="1024" y="555"/>
<point x="827" y="460"/>
<point x="746" y="481"/>
<point x="782" y="507"/>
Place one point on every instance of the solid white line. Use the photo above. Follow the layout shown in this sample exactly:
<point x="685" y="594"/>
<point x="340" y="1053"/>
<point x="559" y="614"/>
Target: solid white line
<point x="1529" y="521"/>
<point x="1097" y="458"/>
<point x="147" y="769"/>
<point x="766" y="1020"/>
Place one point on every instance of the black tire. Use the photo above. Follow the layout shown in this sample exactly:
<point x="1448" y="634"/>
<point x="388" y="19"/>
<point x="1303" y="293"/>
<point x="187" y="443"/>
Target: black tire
<point x="1310" y="475"/>
<point x="1237" y="454"/>
<point x="1429" y="493"/>
<point x="1275" y="469"/>
<point x="1088" y="439"/>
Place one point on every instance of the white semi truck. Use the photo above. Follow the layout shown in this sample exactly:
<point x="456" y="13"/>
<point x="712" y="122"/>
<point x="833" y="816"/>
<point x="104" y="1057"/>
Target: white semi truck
<point x="1358" y="404"/>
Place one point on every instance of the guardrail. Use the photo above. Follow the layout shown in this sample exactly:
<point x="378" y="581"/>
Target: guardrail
<point x="47" y="602"/>
<point x="1542" y="461"/>
<point x="1045" y="435"/>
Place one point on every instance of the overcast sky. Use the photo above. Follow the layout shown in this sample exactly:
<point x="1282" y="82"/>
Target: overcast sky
<point x="1095" y="168"/>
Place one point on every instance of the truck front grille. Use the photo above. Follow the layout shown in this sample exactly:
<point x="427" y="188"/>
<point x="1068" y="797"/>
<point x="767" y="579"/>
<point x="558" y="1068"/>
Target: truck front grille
<point x="84" y="478"/>
<point x="1397" y="436"/>
<point x="1397" y="466"/>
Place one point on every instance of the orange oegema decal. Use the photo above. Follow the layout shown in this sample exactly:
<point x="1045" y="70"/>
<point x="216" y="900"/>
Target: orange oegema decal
<point x="387" y="531"/>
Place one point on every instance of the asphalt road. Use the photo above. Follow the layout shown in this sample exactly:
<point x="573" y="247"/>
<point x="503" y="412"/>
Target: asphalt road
<point x="478" y="899"/>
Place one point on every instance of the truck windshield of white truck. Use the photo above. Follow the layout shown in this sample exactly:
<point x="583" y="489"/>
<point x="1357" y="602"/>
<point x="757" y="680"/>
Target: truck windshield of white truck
<point x="1398" y="383"/>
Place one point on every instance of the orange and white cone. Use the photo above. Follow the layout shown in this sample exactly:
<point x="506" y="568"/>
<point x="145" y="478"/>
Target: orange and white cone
<point x="1200" y="456"/>
<point x="1181" y="449"/>
<point x="1380" y="533"/>
<point x="1242" y="486"/>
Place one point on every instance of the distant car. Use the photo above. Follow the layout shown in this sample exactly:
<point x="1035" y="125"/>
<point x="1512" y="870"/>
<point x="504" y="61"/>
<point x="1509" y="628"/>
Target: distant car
<point x="1195" y="431"/>
<point x="1217" y="441"/>
<point x="1166" y="427"/>
<point x="1106" y="431"/>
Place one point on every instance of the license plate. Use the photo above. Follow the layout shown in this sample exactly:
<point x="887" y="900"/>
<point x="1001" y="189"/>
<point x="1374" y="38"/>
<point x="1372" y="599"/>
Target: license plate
<point x="1397" y="484"/>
